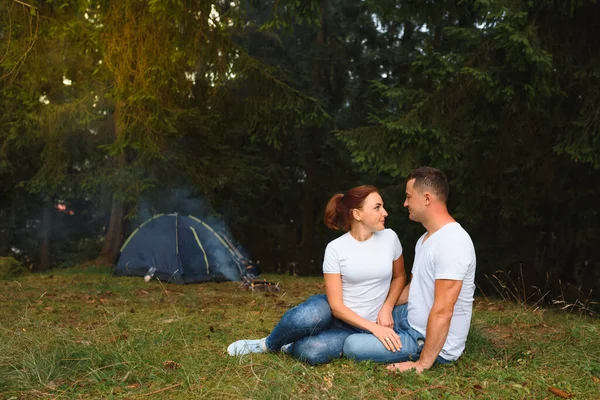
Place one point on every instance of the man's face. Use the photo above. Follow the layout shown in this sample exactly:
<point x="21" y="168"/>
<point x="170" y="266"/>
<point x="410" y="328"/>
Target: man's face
<point x="415" y="202"/>
<point x="372" y="214"/>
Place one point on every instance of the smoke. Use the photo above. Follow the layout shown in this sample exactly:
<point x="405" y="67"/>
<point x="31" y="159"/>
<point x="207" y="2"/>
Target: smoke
<point x="169" y="201"/>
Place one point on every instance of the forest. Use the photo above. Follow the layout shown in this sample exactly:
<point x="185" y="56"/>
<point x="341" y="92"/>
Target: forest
<point x="252" y="114"/>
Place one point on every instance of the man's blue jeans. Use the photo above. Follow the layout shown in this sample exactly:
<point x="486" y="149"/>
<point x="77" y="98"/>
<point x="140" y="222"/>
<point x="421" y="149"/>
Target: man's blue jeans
<point x="316" y="336"/>
<point x="365" y="346"/>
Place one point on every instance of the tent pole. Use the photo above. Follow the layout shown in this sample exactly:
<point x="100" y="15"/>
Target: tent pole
<point x="176" y="234"/>
<point x="231" y="245"/>
<point x="226" y="243"/>
<point x="137" y="229"/>
<point x="201" y="248"/>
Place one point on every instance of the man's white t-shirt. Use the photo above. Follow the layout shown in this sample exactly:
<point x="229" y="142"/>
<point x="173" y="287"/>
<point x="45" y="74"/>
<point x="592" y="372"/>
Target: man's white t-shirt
<point x="447" y="254"/>
<point x="365" y="269"/>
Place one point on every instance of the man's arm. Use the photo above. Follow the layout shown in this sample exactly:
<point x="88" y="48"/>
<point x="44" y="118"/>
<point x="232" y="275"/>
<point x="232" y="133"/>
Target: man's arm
<point x="438" y="325"/>
<point x="403" y="299"/>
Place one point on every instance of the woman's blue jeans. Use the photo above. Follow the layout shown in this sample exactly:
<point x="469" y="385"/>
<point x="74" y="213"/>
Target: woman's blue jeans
<point x="366" y="346"/>
<point x="316" y="336"/>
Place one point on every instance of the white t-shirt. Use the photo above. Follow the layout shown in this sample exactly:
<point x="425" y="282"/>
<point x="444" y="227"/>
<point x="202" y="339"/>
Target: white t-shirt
<point x="447" y="254"/>
<point x="365" y="269"/>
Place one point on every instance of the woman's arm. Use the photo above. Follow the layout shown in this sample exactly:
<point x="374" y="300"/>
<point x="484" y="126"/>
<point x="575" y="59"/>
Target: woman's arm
<point x="398" y="281"/>
<point x="333" y="289"/>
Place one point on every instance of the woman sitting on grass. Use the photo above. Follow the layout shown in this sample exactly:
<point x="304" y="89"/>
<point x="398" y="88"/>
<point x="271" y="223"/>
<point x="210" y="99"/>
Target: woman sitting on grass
<point x="364" y="276"/>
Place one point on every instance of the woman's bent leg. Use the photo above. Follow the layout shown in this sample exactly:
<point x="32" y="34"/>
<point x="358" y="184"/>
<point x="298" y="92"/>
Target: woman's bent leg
<point x="306" y="319"/>
<point x="365" y="346"/>
<point x="320" y="348"/>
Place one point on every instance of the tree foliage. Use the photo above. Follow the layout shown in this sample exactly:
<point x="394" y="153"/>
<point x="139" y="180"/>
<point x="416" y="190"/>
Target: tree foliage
<point x="264" y="109"/>
<point x="501" y="97"/>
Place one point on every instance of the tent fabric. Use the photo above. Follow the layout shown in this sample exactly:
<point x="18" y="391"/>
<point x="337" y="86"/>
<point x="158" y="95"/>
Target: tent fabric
<point x="182" y="249"/>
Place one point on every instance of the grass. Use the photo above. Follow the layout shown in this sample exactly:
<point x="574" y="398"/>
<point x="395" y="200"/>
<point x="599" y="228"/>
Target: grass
<point x="80" y="333"/>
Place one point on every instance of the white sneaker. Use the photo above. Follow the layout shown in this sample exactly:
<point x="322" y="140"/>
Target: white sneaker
<point x="242" y="347"/>
<point x="286" y="348"/>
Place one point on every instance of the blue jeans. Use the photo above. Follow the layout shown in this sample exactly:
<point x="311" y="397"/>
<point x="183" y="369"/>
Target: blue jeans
<point x="365" y="346"/>
<point x="316" y="336"/>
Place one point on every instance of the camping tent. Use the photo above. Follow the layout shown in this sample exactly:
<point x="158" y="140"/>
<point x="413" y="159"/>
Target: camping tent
<point x="181" y="249"/>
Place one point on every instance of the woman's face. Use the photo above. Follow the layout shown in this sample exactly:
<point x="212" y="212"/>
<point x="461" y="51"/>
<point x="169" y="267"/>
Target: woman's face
<point x="372" y="214"/>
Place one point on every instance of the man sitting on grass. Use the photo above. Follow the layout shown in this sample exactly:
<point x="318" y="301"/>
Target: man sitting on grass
<point x="435" y="308"/>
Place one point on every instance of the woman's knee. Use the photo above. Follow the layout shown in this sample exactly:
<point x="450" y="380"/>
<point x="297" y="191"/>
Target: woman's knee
<point x="319" y="301"/>
<point x="313" y="313"/>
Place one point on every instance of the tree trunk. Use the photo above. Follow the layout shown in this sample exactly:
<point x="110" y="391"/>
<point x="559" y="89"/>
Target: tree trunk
<point x="46" y="235"/>
<point x="308" y="211"/>
<point x="7" y="234"/>
<point x="314" y="137"/>
<point x="115" y="234"/>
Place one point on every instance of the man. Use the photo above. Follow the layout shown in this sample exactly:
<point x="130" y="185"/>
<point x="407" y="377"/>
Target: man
<point x="433" y="313"/>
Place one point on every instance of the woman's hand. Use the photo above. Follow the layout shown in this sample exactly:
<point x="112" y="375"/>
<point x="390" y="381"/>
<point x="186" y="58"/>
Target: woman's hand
<point x="389" y="338"/>
<point x="384" y="318"/>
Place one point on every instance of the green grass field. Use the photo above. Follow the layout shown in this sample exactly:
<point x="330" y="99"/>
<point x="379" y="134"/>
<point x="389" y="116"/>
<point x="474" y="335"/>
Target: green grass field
<point x="80" y="333"/>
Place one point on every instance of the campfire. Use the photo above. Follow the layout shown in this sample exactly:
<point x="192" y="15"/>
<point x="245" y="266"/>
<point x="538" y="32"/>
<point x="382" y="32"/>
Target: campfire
<point x="259" y="285"/>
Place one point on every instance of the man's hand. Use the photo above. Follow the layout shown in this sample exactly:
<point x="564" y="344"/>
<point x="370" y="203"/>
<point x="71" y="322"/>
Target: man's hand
<point x="406" y="366"/>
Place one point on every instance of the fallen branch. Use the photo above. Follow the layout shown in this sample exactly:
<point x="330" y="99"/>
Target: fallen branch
<point x="162" y="390"/>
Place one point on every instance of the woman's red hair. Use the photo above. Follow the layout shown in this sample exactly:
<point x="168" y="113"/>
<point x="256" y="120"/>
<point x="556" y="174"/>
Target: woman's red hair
<point x="338" y="212"/>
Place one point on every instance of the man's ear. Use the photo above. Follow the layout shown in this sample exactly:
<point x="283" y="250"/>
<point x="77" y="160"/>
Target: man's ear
<point x="428" y="198"/>
<point x="356" y="214"/>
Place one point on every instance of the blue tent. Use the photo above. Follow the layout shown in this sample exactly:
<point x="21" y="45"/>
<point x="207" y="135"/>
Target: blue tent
<point x="181" y="249"/>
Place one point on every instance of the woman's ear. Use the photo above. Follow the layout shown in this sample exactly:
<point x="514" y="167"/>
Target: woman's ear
<point x="356" y="214"/>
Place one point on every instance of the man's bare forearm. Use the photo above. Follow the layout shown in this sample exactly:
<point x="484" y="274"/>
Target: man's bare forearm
<point x="438" y="326"/>
<point x="396" y="288"/>
<point x="403" y="299"/>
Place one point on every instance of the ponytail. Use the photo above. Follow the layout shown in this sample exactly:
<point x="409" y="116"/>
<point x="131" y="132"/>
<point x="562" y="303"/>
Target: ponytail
<point x="338" y="212"/>
<point x="334" y="212"/>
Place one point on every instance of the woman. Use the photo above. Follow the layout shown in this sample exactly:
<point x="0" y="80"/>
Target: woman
<point x="364" y="276"/>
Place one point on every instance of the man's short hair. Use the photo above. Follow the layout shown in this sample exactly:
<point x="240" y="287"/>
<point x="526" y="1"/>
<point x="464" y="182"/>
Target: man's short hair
<point x="429" y="178"/>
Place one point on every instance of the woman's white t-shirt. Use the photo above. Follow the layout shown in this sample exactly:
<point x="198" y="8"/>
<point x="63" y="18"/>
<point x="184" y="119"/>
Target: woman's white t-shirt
<point x="365" y="269"/>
